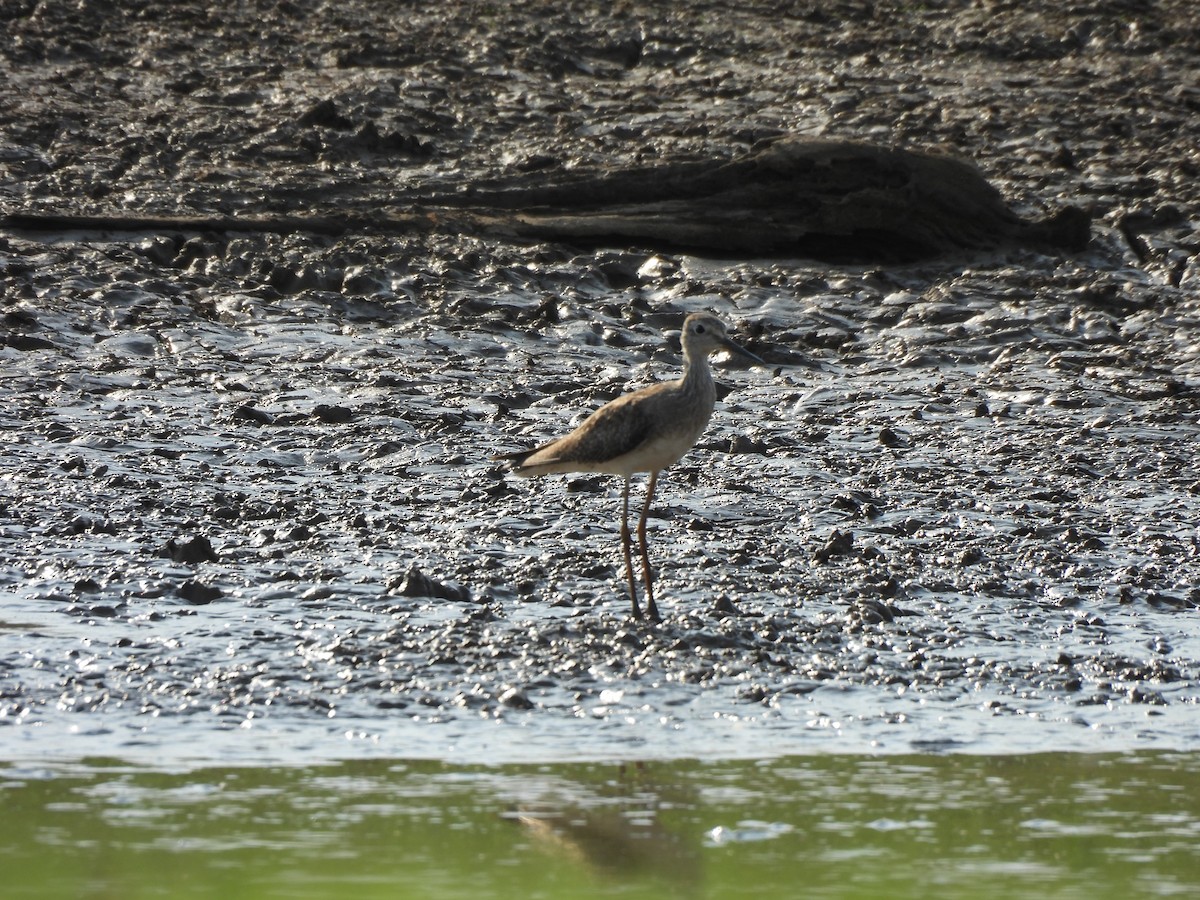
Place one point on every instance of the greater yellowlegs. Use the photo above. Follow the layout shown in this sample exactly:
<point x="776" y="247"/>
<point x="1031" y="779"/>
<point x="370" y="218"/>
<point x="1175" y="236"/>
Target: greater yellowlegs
<point x="644" y="431"/>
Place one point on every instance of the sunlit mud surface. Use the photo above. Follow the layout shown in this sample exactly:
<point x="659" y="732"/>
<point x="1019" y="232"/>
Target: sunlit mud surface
<point x="246" y="502"/>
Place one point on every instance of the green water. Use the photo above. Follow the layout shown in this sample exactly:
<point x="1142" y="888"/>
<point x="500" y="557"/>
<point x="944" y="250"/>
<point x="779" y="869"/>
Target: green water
<point x="1053" y="825"/>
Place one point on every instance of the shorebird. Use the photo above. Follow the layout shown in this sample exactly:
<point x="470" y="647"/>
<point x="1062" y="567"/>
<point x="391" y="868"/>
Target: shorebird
<point x="644" y="431"/>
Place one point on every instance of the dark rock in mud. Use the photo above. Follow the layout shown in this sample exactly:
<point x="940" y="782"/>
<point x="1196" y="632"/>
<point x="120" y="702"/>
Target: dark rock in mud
<point x="252" y="414"/>
<point x="195" y="549"/>
<point x="840" y="543"/>
<point x="332" y="414"/>
<point x="197" y="593"/>
<point x="417" y="584"/>
<point x="515" y="698"/>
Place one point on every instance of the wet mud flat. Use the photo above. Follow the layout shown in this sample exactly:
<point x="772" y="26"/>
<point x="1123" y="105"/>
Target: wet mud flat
<point x="246" y="505"/>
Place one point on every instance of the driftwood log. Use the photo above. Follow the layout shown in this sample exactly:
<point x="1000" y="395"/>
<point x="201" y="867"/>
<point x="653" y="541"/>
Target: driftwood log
<point x="795" y="197"/>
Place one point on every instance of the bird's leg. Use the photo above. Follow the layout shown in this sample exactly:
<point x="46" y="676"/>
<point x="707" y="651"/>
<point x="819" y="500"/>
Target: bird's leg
<point x="647" y="573"/>
<point x="625" y="541"/>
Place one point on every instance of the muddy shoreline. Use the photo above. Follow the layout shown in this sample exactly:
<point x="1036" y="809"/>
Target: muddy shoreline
<point x="246" y="505"/>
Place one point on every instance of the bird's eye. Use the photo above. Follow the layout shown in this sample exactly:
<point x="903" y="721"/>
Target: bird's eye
<point x="699" y="329"/>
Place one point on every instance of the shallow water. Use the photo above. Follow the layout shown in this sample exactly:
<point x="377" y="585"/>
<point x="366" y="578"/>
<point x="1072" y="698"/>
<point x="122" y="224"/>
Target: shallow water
<point x="1046" y="825"/>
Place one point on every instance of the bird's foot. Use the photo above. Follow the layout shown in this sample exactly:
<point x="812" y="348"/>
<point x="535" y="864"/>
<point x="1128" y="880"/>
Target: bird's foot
<point x="652" y="614"/>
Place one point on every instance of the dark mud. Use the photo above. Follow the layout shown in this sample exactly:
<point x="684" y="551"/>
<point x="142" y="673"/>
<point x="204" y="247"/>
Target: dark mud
<point x="245" y="499"/>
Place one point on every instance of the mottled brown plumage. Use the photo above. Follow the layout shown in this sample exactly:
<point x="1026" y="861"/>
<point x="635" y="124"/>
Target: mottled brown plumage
<point x="645" y="431"/>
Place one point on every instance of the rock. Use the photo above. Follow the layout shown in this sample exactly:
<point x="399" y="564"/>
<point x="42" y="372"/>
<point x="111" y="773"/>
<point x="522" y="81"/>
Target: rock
<point x="25" y="342"/>
<point x="196" y="549"/>
<point x="417" y="584"/>
<point x="515" y="698"/>
<point x="250" y="413"/>
<point x="840" y="543"/>
<point x="197" y="593"/>
<point x="332" y="414"/>
<point x="325" y="115"/>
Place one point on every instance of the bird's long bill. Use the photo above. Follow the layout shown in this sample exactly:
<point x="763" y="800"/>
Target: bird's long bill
<point x="739" y="350"/>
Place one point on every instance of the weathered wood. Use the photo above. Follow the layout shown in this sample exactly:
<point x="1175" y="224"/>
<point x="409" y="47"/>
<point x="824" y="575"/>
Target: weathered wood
<point x="796" y="196"/>
<point x="793" y="197"/>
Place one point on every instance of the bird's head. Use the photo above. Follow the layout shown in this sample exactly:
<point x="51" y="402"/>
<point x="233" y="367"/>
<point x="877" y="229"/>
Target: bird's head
<point x="704" y="333"/>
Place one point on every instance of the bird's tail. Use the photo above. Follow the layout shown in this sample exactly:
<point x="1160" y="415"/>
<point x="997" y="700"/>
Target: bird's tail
<point x="515" y="456"/>
<point x="516" y="462"/>
<point x="515" y="459"/>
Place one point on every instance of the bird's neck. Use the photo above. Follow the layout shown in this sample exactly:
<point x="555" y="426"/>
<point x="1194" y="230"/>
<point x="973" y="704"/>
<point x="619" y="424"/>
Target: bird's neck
<point x="696" y="371"/>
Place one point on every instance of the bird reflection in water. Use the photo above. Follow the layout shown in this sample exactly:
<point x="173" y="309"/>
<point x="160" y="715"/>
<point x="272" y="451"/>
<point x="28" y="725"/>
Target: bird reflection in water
<point x="617" y="832"/>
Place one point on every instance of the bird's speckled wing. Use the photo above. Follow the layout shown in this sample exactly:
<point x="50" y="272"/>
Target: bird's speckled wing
<point x="615" y="429"/>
